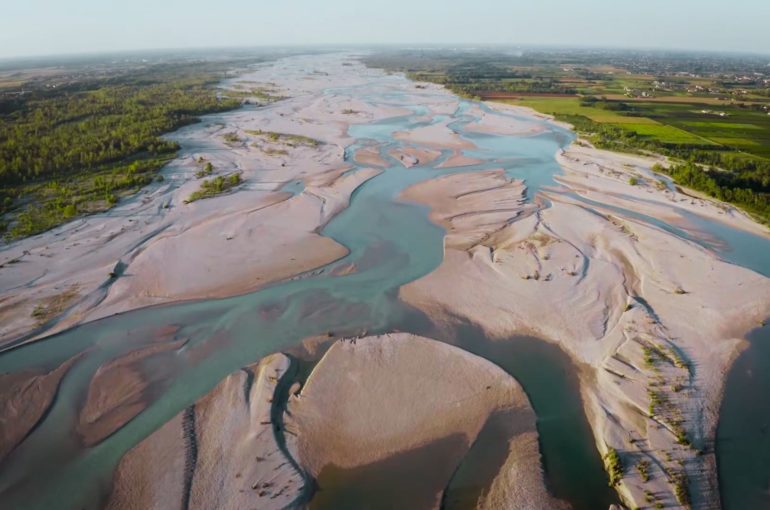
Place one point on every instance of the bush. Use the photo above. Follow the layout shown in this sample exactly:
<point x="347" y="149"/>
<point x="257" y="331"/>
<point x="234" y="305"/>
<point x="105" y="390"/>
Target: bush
<point x="215" y="186"/>
<point x="681" y="488"/>
<point x="643" y="467"/>
<point x="207" y="169"/>
<point x="232" y="137"/>
<point x="614" y="466"/>
<point x="69" y="211"/>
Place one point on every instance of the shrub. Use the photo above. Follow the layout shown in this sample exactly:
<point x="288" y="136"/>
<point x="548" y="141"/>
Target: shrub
<point x="231" y="137"/>
<point x="681" y="435"/>
<point x="643" y="467"/>
<point x="215" y="186"/>
<point x="69" y="211"/>
<point x="681" y="488"/>
<point x="614" y="466"/>
<point x="649" y="496"/>
<point x="207" y="169"/>
<point x="649" y="358"/>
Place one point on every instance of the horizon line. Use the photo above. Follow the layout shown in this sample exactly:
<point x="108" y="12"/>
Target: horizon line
<point x="360" y="46"/>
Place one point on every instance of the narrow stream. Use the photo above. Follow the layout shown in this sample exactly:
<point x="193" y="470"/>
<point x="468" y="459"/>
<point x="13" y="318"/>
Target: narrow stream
<point x="391" y="243"/>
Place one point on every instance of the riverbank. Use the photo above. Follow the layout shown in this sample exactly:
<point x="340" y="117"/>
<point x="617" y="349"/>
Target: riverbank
<point x="654" y="320"/>
<point x="673" y="202"/>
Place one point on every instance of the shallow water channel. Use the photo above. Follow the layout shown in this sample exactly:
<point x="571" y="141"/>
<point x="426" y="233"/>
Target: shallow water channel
<point x="392" y="243"/>
<point x="743" y="435"/>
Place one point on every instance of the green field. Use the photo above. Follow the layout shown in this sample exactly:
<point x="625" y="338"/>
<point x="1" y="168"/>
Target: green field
<point x="670" y="123"/>
<point x="733" y="138"/>
<point x="668" y="134"/>
<point x="742" y="129"/>
<point x="572" y="106"/>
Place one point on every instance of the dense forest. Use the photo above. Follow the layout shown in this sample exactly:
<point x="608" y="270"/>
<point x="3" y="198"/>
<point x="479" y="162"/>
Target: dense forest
<point x="75" y="148"/>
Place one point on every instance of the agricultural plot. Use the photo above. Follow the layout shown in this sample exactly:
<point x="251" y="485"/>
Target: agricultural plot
<point x="572" y="106"/>
<point x="673" y="123"/>
<point x="741" y="129"/>
<point x="668" y="134"/>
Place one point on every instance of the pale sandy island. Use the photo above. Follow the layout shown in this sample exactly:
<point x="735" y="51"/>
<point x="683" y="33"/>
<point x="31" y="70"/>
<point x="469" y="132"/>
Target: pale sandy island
<point x="153" y="248"/>
<point x="437" y="135"/>
<point x="457" y="160"/>
<point x="525" y="112"/>
<point x="503" y="125"/>
<point x="374" y="398"/>
<point x="586" y="168"/>
<point x="370" y="156"/>
<point x="119" y="391"/>
<point x="367" y="400"/>
<point x="266" y="245"/>
<point x="237" y="462"/>
<point x="609" y="290"/>
<point x="25" y="397"/>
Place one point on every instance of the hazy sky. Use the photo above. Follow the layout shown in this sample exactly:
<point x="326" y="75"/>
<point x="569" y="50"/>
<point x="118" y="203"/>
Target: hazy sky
<point x="41" y="27"/>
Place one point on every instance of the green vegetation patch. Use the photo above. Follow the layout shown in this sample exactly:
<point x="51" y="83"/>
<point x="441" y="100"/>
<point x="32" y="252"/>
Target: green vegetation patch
<point x="744" y="127"/>
<point x="231" y="137"/>
<point x="38" y="207"/>
<point x="263" y="94"/>
<point x="53" y="306"/>
<point x="216" y="186"/>
<point x="78" y="148"/>
<point x="207" y="170"/>
<point x="667" y="134"/>
<point x="643" y="466"/>
<point x="722" y="185"/>
<point x="614" y="466"/>
<point x="572" y="106"/>
<point x="681" y="488"/>
<point x="737" y="142"/>
<point x="720" y="125"/>
<point x="286" y="139"/>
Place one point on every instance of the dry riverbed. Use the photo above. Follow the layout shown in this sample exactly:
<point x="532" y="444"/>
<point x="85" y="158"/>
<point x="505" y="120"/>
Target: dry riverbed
<point x="652" y="321"/>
